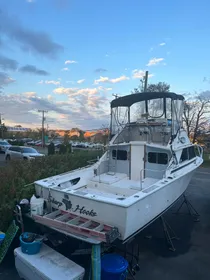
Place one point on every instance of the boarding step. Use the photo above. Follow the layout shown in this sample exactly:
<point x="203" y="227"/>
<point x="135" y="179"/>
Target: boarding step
<point x="74" y="224"/>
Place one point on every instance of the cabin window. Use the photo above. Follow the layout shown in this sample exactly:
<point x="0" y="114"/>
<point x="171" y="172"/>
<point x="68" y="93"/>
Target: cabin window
<point x="119" y="154"/>
<point x="184" y="155"/>
<point x="187" y="153"/>
<point x="159" y="158"/>
<point x="191" y="152"/>
<point x="152" y="157"/>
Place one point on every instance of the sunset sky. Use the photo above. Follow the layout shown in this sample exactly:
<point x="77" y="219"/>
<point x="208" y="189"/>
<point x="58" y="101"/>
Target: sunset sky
<point x="68" y="57"/>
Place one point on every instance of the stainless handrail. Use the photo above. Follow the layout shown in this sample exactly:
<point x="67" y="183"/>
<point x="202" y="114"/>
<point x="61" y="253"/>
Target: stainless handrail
<point x="200" y="150"/>
<point x="141" y="176"/>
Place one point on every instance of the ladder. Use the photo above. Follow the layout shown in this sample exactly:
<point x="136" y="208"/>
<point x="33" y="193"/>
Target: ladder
<point x="75" y="225"/>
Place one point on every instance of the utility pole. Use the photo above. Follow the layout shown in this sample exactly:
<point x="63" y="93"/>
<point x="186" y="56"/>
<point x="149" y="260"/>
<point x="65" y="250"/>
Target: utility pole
<point x="146" y="80"/>
<point x="1" y="125"/>
<point x="43" y="120"/>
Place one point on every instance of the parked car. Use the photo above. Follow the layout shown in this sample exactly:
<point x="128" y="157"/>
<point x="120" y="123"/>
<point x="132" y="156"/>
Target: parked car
<point x="98" y="146"/>
<point x="4" y="145"/>
<point x="31" y="143"/>
<point x="91" y="146"/>
<point x="21" y="152"/>
<point x="74" y="144"/>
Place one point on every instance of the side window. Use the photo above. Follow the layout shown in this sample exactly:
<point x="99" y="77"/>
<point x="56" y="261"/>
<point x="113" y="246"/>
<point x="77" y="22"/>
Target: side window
<point x="187" y="153"/>
<point x="162" y="158"/>
<point x="191" y="152"/>
<point x="152" y="157"/>
<point x="159" y="158"/>
<point x="184" y="155"/>
<point x="16" y="149"/>
<point x="119" y="154"/>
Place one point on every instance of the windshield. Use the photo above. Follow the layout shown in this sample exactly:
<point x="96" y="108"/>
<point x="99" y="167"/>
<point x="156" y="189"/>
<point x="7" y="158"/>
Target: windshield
<point x="28" y="150"/>
<point x="4" y="143"/>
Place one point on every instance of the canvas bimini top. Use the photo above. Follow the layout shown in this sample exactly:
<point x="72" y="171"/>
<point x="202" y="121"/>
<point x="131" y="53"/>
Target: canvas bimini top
<point x="128" y="100"/>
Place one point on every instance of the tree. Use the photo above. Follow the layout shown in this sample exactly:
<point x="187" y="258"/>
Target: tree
<point x="81" y="135"/>
<point x="66" y="137"/>
<point x="3" y="129"/>
<point x="74" y="137"/>
<point x="195" y="117"/>
<point x="158" y="87"/>
<point x="105" y="133"/>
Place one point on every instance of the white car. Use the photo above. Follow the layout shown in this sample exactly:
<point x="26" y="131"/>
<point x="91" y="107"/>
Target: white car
<point x="21" y="152"/>
<point x="4" y="145"/>
<point x="91" y="146"/>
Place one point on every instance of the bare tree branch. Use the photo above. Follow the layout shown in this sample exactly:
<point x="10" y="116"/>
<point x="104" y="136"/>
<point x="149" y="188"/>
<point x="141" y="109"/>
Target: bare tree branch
<point x="196" y="110"/>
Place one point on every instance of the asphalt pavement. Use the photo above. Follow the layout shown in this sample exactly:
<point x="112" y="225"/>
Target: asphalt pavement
<point x="2" y="160"/>
<point x="191" y="259"/>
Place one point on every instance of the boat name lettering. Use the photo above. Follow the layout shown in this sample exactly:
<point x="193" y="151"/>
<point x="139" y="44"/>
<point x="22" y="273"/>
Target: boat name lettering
<point x="68" y="205"/>
<point x="52" y="200"/>
<point x="83" y="211"/>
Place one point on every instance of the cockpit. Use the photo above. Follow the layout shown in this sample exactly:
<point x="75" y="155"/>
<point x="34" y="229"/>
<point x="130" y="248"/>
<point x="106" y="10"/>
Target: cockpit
<point x="154" y="117"/>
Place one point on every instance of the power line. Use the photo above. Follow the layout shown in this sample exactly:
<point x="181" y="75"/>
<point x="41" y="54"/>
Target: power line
<point x="43" y="120"/>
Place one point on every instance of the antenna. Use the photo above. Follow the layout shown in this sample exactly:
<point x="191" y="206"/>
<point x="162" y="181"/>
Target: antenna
<point x="115" y="95"/>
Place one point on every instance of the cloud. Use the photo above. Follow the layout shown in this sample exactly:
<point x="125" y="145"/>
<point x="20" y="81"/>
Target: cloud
<point x="31" y="69"/>
<point x="8" y="63"/>
<point x="154" y="61"/>
<point x="49" y="97"/>
<point x="76" y="91"/>
<point x="70" y="62"/>
<point x="27" y="39"/>
<point x="63" y="90"/>
<point x="100" y="70"/>
<point x="88" y="91"/>
<point x="81" y="81"/>
<point x="65" y="69"/>
<point x="139" y="74"/>
<point x="159" y="45"/>
<point x="5" y="80"/>
<point x="51" y="82"/>
<point x="88" y="108"/>
<point x="112" y="81"/>
<point x="29" y="93"/>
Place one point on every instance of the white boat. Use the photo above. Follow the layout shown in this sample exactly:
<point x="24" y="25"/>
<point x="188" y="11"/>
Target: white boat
<point x="148" y="165"/>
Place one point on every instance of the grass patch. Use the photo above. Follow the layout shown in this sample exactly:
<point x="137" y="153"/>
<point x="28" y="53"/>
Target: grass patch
<point x="206" y="160"/>
<point x="16" y="175"/>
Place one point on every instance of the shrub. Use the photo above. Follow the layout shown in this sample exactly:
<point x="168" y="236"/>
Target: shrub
<point x="62" y="149"/>
<point x="16" y="143"/>
<point x="51" y="149"/>
<point x="17" y="178"/>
